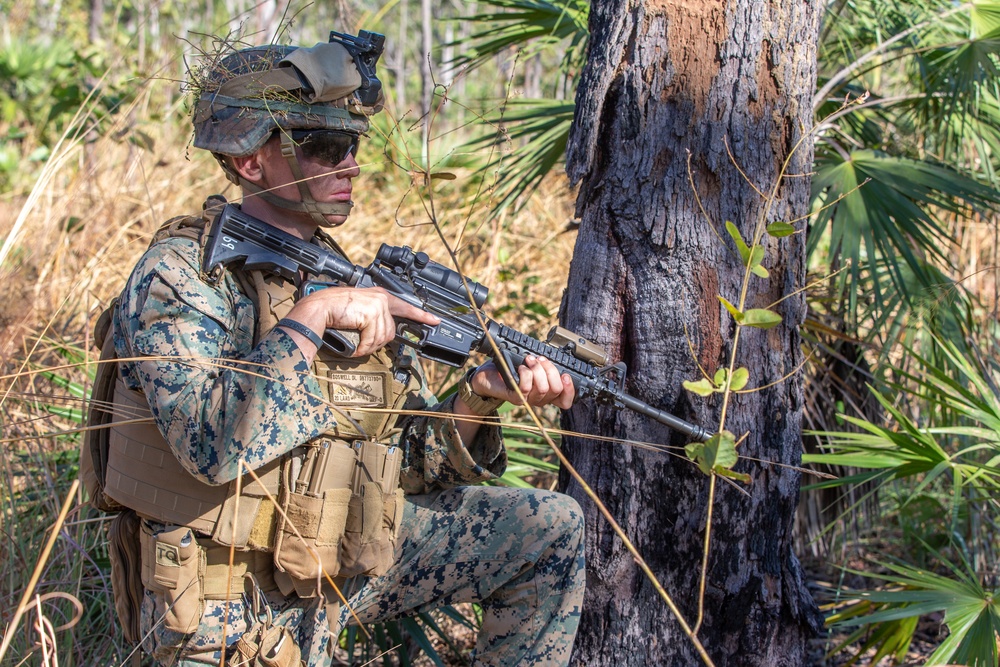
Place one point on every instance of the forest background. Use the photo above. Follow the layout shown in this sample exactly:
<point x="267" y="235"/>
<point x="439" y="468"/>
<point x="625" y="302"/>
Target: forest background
<point x="902" y="398"/>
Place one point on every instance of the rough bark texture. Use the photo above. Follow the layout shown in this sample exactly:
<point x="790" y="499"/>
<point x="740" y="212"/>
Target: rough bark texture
<point x="665" y="79"/>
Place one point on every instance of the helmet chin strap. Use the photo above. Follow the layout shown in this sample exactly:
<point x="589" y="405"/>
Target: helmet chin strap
<point x="316" y="210"/>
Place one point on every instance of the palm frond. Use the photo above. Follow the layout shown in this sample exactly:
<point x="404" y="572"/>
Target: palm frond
<point x="527" y="24"/>
<point x="891" y="210"/>
<point x="971" y="613"/>
<point x="961" y="446"/>
<point x="537" y="130"/>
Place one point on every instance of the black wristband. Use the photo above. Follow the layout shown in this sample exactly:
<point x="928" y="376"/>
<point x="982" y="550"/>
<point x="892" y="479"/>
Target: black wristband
<point x="313" y="337"/>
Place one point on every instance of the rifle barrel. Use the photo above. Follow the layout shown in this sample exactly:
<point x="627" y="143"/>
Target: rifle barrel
<point x="692" y="430"/>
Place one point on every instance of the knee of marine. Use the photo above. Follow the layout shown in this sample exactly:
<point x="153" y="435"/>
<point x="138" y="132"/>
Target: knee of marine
<point x="564" y="514"/>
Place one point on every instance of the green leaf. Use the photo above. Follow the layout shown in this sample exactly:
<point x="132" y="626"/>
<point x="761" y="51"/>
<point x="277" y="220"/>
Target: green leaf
<point x="740" y="378"/>
<point x="720" y="376"/>
<point x="756" y="257"/>
<point x="538" y="309"/>
<point x="761" y="318"/>
<point x="703" y="387"/>
<point x="740" y="243"/>
<point x="716" y="455"/>
<point x="142" y="140"/>
<point x="733" y="310"/>
<point x="732" y="474"/>
<point x="780" y="229"/>
<point x="751" y="256"/>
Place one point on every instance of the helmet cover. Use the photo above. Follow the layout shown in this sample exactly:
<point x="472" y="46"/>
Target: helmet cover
<point x="246" y="95"/>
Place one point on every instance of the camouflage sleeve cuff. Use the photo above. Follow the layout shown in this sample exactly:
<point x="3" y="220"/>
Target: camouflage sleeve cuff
<point x="438" y="459"/>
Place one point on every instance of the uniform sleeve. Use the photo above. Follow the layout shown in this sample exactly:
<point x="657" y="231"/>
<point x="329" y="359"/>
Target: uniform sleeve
<point x="188" y="346"/>
<point x="434" y="456"/>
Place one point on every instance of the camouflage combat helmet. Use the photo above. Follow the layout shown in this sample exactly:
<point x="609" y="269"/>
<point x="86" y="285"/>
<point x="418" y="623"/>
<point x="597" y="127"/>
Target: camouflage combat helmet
<point x="249" y="94"/>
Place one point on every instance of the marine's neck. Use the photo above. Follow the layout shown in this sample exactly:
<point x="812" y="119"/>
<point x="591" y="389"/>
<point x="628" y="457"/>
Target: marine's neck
<point x="297" y="224"/>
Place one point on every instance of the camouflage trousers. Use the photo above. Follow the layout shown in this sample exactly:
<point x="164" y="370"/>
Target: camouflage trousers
<point x="517" y="552"/>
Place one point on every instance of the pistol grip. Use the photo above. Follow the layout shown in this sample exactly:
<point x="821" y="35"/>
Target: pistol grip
<point x="343" y="343"/>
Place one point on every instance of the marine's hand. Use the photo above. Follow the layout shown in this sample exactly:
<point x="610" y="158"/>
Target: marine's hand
<point x="540" y="383"/>
<point x="370" y="311"/>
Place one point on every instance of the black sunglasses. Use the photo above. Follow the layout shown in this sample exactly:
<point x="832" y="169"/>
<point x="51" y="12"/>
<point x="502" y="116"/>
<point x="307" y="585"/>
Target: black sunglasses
<point x="330" y="146"/>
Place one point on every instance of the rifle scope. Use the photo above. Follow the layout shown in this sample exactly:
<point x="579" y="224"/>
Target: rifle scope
<point x="419" y="266"/>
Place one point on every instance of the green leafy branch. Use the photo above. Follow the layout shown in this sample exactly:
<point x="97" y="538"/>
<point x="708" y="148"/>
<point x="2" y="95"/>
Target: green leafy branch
<point x="717" y="457"/>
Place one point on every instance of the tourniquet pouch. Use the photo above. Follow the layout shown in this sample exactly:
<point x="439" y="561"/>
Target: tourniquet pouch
<point x="266" y="646"/>
<point x="126" y="577"/>
<point x="171" y="562"/>
<point x="307" y="543"/>
<point x="375" y="512"/>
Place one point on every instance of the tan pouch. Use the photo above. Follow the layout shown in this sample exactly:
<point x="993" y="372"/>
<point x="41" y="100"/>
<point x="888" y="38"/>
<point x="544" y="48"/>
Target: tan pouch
<point x="307" y="542"/>
<point x="266" y="646"/>
<point x="375" y="512"/>
<point x="308" y="539"/>
<point x="172" y="565"/>
<point x="278" y="649"/>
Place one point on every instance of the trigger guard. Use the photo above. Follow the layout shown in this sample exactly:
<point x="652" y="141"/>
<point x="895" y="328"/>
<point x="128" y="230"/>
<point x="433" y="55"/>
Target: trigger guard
<point x="409" y="333"/>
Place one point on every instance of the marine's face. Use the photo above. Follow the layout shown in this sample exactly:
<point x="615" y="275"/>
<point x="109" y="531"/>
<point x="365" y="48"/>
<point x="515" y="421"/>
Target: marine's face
<point x="328" y="181"/>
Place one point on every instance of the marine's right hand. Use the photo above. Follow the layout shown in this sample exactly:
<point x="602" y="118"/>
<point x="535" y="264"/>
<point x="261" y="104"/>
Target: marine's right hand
<point x="369" y="311"/>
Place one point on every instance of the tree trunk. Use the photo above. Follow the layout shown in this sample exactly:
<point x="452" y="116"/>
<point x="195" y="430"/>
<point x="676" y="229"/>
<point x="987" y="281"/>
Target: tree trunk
<point x="96" y="17"/>
<point x="666" y="79"/>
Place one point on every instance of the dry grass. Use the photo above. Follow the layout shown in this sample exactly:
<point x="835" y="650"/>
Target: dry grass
<point x="72" y="236"/>
<point x="94" y="217"/>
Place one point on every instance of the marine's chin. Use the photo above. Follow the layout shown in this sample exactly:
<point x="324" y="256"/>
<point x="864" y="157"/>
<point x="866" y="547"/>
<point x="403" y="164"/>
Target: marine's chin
<point x="337" y="219"/>
<point x="333" y="221"/>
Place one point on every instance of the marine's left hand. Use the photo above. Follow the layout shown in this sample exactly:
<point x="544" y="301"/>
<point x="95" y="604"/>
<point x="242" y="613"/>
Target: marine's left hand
<point x="540" y="383"/>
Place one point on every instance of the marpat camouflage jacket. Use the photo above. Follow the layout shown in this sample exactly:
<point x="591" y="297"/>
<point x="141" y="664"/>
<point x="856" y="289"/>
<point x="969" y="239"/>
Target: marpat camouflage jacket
<point x="217" y="397"/>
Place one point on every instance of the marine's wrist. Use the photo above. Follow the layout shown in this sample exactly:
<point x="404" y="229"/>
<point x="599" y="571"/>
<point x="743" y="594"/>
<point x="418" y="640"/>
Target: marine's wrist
<point x="302" y="329"/>
<point x="475" y="402"/>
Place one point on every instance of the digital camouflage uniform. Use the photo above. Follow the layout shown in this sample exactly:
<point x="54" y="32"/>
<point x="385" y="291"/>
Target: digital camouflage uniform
<point x="218" y="398"/>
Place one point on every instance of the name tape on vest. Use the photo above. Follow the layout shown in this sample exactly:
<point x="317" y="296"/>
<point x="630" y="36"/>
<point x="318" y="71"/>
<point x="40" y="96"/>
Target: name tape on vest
<point x="367" y="389"/>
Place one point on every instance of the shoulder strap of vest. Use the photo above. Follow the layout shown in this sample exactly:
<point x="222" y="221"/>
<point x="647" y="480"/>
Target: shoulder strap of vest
<point x="94" y="451"/>
<point x="191" y="226"/>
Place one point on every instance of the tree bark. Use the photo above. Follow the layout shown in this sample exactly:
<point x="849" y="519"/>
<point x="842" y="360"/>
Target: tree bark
<point x="666" y="79"/>
<point x="96" y="17"/>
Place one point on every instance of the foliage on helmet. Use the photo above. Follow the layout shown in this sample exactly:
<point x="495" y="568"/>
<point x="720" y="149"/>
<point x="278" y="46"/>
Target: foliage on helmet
<point x="242" y="96"/>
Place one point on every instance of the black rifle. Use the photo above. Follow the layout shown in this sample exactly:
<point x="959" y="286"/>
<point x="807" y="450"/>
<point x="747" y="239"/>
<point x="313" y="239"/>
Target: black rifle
<point x="243" y="241"/>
